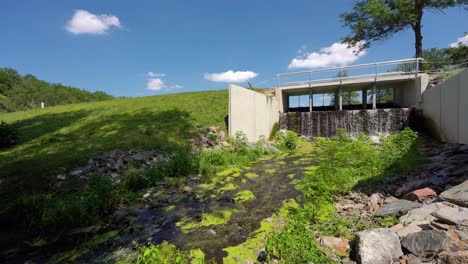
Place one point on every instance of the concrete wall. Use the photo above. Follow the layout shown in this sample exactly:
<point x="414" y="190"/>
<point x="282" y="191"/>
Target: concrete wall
<point x="251" y="113"/>
<point x="445" y="108"/>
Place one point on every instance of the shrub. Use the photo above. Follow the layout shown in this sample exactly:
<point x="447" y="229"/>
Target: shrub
<point x="135" y="180"/>
<point x="163" y="253"/>
<point x="98" y="195"/>
<point x="181" y="164"/>
<point x="239" y="142"/>
<point x="294" y="244"/>
<point x="287" y="140"/>
<point x="8" y="135"/>
<point x="274" y="131"/>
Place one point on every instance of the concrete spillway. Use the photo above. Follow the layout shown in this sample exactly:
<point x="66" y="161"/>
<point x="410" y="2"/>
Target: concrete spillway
<point x="326" y="123"/>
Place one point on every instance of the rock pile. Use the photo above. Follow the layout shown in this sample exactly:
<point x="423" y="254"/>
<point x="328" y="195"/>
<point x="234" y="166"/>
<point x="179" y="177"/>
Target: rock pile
<point x="214" y="137"/>
<point x="115" y="163"/>
<point x="431" y="206"/>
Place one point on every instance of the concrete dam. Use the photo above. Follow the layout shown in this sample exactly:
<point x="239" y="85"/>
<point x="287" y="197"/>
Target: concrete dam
<point x="327" y="123"/>
<point x="374" y="99"/>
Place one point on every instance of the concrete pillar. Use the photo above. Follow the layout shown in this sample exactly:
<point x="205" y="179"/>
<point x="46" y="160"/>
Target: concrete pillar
<point x="374" y="97"/>
<point x="340" y="98"/>
<point x="311" y="100"/>
<point x="364" y="98"/>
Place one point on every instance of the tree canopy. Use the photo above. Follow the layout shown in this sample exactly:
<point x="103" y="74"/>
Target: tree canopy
<point x="27" y="92"/>
<point x="375" y="20"/>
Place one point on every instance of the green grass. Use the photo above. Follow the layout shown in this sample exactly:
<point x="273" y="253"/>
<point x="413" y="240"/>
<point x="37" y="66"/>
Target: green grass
<point x="66" y="136"/>
<point x="61" y="138"/>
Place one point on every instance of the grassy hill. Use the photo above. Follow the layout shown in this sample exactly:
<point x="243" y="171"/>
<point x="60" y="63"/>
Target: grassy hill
<point x="66" y="136"/>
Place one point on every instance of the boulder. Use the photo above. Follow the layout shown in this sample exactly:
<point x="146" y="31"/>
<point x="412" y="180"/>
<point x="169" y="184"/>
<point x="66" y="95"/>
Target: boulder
<point x="413" y="228"/>
<point x="457" y="195"/>
<point x="423" y="213"/>
<point x="377" y="246"/>
<point x="427" y="243"/>
<point x="420" y="194"/>
<point x="452" y="215"/>
<point x="397" y="208"/>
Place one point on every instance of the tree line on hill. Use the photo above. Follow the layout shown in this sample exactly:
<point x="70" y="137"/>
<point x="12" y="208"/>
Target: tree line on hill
<point x="26" y="92"/>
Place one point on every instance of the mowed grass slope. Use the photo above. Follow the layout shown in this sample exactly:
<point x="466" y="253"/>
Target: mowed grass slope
<point x="67" y="136"/>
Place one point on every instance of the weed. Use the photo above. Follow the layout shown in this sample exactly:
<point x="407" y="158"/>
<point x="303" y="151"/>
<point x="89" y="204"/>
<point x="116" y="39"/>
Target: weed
<point x="8" y="135"/>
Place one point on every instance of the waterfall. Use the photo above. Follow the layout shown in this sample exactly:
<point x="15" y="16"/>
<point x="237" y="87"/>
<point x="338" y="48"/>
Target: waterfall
<point x="326" y="123"/>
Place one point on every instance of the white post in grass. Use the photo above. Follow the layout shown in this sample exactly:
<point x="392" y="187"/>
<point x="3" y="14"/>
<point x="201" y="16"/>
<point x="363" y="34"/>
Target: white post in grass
<point x="42" y="105"/>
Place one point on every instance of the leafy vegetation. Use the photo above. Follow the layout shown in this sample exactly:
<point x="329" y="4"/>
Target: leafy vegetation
<point x="375" y="20"/>
<point x="287" y="140"/>
<point x="342" y="164"/>
<point x="163" y="253"/>
<point x="27" y="92"/>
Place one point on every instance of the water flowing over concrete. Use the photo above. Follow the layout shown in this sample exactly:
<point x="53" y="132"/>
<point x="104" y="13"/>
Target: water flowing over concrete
<point x="326" y="123"/>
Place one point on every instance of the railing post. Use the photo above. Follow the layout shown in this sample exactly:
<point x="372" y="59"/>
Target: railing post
<point x="417" y="67"/>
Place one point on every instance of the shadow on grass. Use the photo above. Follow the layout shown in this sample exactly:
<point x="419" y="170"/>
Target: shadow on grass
<point x="410" y="161"/>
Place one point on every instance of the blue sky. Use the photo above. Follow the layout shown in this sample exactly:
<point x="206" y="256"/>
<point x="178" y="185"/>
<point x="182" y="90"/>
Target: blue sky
<point x="138" y="48"/>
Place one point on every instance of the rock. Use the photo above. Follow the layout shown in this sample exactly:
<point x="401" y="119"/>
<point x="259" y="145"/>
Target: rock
<point x="452" y="215"/>
<point x="397" y="208"/>
<point x="375" y="246"/>
<point x="146" y="196"/>
<point x="441" y="226"/>
<point x="457" y="195"/>
<point x="375" y="200"/>
<point x="409" y="186"/>
<point x="437" y="180"/>
<point x="423" y="213"/>
<point x="262" y="256"/>
<point x="427" y="243"/>
<point x="413" y="228"/>
<point x="211" y="231"/>
<point x="462" y="235"/>
<point x="138" y="157"/>
<point x="420" y="194"/>
<point x="397" y="228"/>
<point x="76" y="172"/>
<point x="450" y="257"/>
<point x="412" y="259"/>
<point x="61" y="177"/>
<point x="339" y="244"/>
<point x="390" y="199"/>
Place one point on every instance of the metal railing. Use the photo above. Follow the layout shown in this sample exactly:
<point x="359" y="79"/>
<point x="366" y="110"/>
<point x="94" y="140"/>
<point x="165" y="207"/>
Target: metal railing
<point x="369" y="70"/>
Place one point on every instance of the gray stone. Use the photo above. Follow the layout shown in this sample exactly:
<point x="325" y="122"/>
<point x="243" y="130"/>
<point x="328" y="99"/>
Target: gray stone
<point x="461" y="234"/>
<point x="413" y="228"/>
<point x="397" y="208"/>
<point x="421" y="214"/>
<point x="457" y="195"/>
<point x="377" y="246"/>
<point x="138" y="157"/>
<point x="211" y="231"/>
<point x="427" y="243"/>
<point x="452" y="215"/>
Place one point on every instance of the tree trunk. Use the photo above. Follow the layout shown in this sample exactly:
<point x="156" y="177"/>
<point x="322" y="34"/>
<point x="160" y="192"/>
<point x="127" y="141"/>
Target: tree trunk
<point x="419" y="5"/>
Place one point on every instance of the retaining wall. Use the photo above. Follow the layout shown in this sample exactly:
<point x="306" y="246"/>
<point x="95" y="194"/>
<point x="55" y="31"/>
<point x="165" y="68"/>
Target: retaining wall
<point x="445" y="108"/>
<point x="251" y="112"/>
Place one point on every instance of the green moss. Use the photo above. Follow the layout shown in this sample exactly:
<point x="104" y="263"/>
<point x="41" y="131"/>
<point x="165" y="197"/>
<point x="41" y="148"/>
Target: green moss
<point x="197" y="256"/>
<point x="187" y="224"/>
<point x="243" y="180"/>
<point x="217" y="218"/>
<point x="291" y="176"/>
<point x="256" y="240"/>
<point x="229" y="171"/>
<point x="227" y="187"/>
<point x="251" y="175"/>
<point x="169" y="208"/>
<point x="244" y="196"/>
<point x="270" y="171"/>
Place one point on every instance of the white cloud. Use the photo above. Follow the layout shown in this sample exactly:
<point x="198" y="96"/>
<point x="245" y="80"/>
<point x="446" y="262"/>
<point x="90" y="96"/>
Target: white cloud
<point x="460" y="41"/>
<point x="156" y="75"/>
<point x="231" y="76"/>
<point x="338" y="54"/>
<point x="84" y="22"/>
<point x="156" y="83"/>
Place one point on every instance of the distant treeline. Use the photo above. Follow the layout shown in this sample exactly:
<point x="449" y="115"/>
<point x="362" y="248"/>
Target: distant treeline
<point x="19" y="92"/>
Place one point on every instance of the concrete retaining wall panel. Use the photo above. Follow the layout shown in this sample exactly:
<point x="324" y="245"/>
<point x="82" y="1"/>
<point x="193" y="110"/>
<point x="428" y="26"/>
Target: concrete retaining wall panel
<point x="463" y="108"/>
<point x="252" y="113"/>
